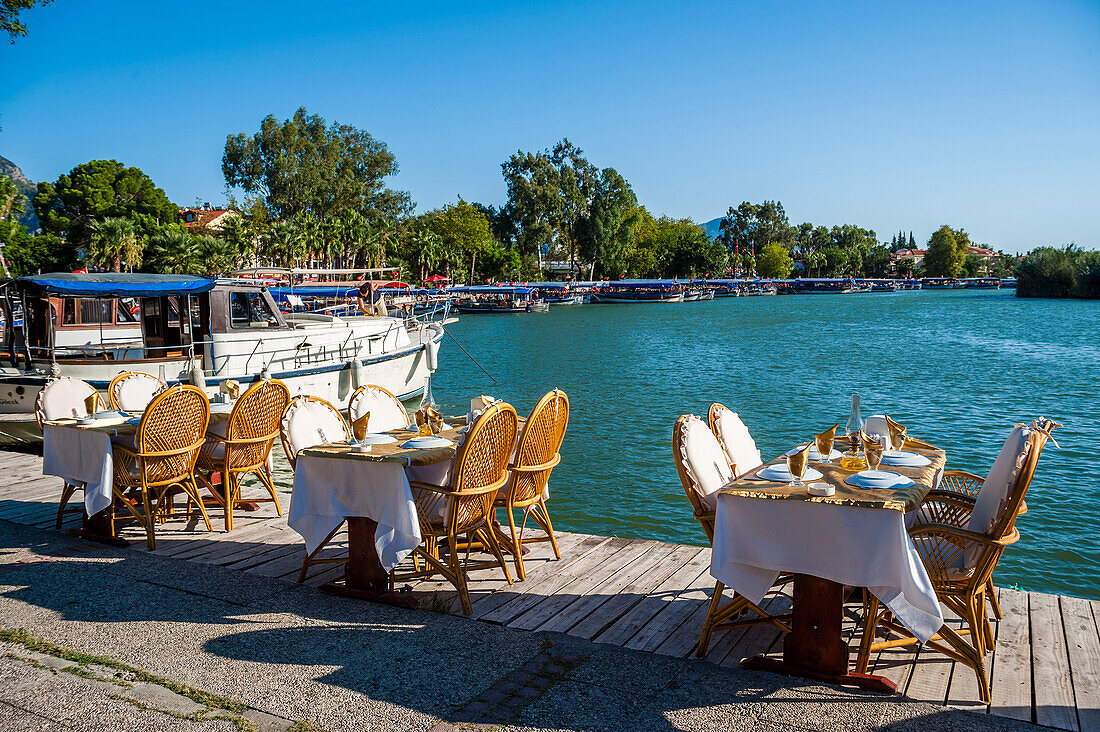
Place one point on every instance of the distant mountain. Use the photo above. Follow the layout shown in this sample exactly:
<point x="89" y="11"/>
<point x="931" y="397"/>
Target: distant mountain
<point x="711" y="227"/>
<point x="26" y="187"/>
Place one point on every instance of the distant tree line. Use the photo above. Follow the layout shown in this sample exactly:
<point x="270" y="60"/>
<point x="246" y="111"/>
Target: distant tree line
<point x="1066" y="272"/>
<point x="315" y="193"/>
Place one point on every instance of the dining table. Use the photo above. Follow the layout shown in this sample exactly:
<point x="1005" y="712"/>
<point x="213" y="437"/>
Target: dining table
<point x="336" y="482"/>
<point x="854" y="538"/>
<point x="80" y="451"/>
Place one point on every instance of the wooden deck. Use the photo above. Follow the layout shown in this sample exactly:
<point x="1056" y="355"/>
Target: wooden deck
<point x="652" y="596"/>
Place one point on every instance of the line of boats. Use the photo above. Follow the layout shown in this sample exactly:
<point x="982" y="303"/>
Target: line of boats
<point x="539" y="296"/>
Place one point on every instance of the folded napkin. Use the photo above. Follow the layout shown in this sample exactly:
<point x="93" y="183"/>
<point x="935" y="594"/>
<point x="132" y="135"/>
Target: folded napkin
<point x="477" y="406"/>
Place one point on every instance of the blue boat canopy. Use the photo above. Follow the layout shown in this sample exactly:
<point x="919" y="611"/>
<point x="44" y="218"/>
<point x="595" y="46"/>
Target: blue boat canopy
<point x="116" y="284"/>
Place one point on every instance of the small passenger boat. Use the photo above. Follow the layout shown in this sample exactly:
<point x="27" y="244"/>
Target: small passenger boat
<point x="982" y="283"/>
<point x="494" y="299"/>
<point x="638" y="291"/>
<point x="940" y="283"/>
<point x="825" y="286"/>
<point x="1009" y="283"/>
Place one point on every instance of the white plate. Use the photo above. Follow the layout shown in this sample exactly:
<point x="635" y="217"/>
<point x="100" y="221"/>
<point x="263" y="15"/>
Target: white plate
<point x="110" y="414"/>
<point x="780" y="474"/>
<point x="903" y="459"/>
<point x="815" y="455"/>
<point x="425" y="442"/>
<point x="220" y="407"/>
<point x="881" y="479"/>
<point x="85" y="420"/>
<point x="375" y="438"/>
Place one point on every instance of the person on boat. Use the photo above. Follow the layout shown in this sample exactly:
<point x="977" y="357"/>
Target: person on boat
<point x="370" y="300"/>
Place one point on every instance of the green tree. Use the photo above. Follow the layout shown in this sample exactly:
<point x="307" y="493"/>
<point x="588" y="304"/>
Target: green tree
<point x="9" y="16"/>
<point x="171" y="251"/>
<point x="305" y="166"/>
<point x="12" y="202"/>
<point x="98" y="190"/>
<point x="946" y="252"/>
<point x="282" y="244"/>
<point x="114" y="241"/>
<point x="774" y="261"/>
<point x="549" y="196"/>
<point x="27" y="254"/>
<point x="464" y="228"/>
<point x="605" y="234"/>
<point x="752" y="226"/>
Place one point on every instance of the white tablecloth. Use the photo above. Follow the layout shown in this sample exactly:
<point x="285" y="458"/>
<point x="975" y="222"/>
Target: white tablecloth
<point x="81" y="457"/>
<point x="755" y="539"/>
<point x="328" y="489"/>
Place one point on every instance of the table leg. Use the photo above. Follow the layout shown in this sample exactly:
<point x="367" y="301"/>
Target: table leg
<point x="815" y="648"/>
<point x="98" y="528"/>
<point x="364" y="576"/>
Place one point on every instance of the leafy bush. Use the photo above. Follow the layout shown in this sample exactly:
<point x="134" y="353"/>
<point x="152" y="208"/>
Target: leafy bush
<point x="1052" y="272"/>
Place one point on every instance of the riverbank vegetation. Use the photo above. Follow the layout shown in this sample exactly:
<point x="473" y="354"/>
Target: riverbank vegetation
<point x="1066" y="272"/>
<point x="315" y="193"/>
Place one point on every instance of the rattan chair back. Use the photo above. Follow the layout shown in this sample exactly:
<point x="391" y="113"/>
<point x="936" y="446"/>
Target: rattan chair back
<point x="386" y="410"/>
<point x="121" y="391"/>
<point x="481" y="466"/>
<point x="694" y="493"/>
<point x="170" y="434"/>
<point x="64" y="397"/>
<point x="306" y="407"/>
<point x="537" y="452"/>
<point x="254" y="425"/>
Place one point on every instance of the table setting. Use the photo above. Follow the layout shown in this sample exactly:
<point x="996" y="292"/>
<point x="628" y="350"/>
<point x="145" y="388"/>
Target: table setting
<point x="832" y="512"/>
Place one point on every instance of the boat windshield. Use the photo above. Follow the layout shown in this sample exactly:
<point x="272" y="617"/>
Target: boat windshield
<point x="250" y="310"/>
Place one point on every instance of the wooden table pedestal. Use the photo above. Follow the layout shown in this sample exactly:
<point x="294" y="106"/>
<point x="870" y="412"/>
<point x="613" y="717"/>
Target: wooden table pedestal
<point x="364" y="576"/>
<point x="815" y="647"/>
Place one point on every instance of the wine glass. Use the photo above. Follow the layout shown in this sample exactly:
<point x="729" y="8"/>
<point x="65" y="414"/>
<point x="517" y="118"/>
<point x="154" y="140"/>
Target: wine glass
<point x="873" y="448"/>
<point x="824" y="443"/>
<point x="797" y="460"/>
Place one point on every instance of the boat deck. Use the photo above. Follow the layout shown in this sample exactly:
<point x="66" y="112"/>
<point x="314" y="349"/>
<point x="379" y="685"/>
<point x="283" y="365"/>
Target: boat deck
<point x="652" y="596"/>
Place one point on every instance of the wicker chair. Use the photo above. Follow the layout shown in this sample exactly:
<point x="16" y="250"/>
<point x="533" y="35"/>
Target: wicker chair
<point x="131" y="391"/>
<point x="536" y="456"/>
<point x="246" y="445"/>
<point x="309" y="421"/>
<point x="704" y="468"/>
<point x="65" y="398"/>
<point x="960" y="535"/>
<point x="386" y="411"/>
<point x="734" y="437"/>
<point x="166" y="447"/>
<point x="465" y="507"/>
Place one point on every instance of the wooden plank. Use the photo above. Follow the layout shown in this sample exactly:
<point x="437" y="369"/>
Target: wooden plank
<point x="1054" y="705"/>
<point x="684" y="640"/>
<point x="1083" y="644"/>
<point x="507" y="603"/>
<point x="1011" y="677"/>
<point x="626" y="627"/>
<point x="756" y="639"/>
<point x="670" y="618"/>
<point x="279" y="562"/>
<point x="601" y="606"/>
<point x="550" y="606"/>
<point x="217" y="540"/>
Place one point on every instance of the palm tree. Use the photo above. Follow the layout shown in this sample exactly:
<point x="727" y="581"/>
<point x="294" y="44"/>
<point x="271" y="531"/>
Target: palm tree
<point x="112" y="241"/>
<point x="172" y="252"/>
<point x="283" y="243"/>
<point x="215" y="256"/>
<point x="429" y="249"/>
<point x="12" y="202"/>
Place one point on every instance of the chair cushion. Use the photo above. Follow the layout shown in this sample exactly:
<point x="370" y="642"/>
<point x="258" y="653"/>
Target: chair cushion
<point x="705" y="461"/>
<point x="386" y="412"/>
<point x="134" y="393"/>
<point x="876" y="425"/>
<point x="307" y="423"/>
<point x="64" y="397"/>
<point x="1000" y="480"/>
<point x="740" y="447"/>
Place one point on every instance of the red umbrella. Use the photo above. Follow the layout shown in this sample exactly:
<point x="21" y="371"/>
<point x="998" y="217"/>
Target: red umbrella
<point x="437" y="278"/>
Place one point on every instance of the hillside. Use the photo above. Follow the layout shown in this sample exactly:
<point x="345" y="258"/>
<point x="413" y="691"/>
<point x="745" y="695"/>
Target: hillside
<point x="26" y="187"/>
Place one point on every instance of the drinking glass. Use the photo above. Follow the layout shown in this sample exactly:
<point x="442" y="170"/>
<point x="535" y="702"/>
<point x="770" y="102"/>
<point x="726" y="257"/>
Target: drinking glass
<point x="824" y="443"/>
<point x="797" y="460"/>
<point x="873" y="450"/>
<point x="359" y="426"/>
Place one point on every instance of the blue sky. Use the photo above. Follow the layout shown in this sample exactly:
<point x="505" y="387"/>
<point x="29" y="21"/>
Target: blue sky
<point x="887" y="115"/>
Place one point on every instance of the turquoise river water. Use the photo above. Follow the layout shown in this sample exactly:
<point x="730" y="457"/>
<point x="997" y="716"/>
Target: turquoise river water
<point x="959" y="368"/>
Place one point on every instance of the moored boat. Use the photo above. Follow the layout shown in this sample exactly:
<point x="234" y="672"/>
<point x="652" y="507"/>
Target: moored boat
<point x="495" y="299"/>
<point x="982" y="283"/>
<point x="204" y="332"/>
<point x="645" y="291"/>
<point x="825" y="286"/>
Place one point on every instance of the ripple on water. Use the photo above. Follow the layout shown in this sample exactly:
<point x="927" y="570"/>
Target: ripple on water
<point x="958" y="367"/>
